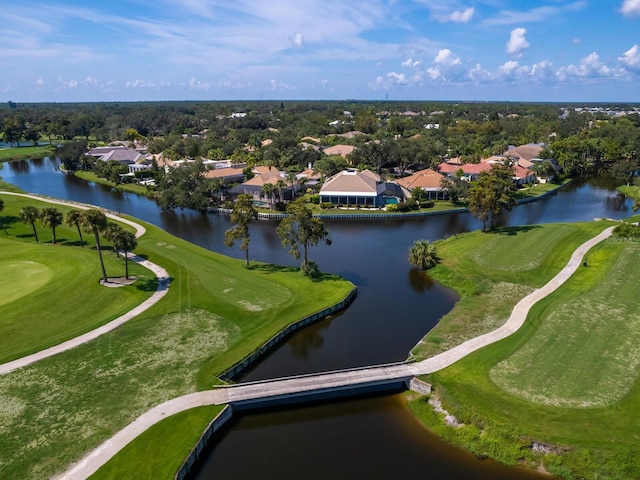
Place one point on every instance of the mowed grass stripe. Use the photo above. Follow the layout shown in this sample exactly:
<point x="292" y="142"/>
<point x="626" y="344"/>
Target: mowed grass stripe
<point x="586" y="352"/>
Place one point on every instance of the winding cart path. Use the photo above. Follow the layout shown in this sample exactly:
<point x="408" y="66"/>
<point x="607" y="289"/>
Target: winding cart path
<point x="161" y="291"/>
<point x="325" y="381"/>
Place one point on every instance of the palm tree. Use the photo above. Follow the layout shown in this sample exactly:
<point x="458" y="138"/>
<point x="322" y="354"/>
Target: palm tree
<point x="94" y="221"/>
<point x="125" y="241"/>
<point x="243" y="213"/>
<point x="281" y="184"/>
<point x="111" y="232"/>
<point x="29" y="215"/>
<point x="74" y="218"/>
<point x="423" y="255"/>
<point x="51" y="217"/>
<point x="269" y="189"/>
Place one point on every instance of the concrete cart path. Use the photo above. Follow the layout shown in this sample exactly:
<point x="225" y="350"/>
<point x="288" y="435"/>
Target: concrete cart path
<point x="305" y="383"/>
<point x="161" y="291"/>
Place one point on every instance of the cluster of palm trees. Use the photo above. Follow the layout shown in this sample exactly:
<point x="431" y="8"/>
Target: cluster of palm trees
<point x="90" y="221"/>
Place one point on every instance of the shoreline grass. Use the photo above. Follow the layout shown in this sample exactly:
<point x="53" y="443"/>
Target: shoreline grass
<point x="25" y="152"/>
<point x="89" y="176"/>
<point x="215" y="312"/>
<point x="577" y="344"/>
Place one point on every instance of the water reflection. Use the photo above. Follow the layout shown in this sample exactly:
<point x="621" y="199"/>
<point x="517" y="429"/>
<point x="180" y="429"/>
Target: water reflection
<point x="420" y="281"/>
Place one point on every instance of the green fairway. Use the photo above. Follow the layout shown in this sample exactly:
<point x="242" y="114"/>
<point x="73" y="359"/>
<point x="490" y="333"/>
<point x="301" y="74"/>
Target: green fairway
<point x="50" y="292"/>
<point x="493" y="271"/>
<point x="568" y="379"/>
<point x="215" y="313"/>
<point x="593" y="320"/>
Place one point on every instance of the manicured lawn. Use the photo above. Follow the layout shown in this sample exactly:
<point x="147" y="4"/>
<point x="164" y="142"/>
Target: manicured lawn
<point x="160" y="459"/>
<point x="568" y="379"/>
<point x="23" y="153"/>
<point x="215" y="313"/>
<point x="50" y="292"/>
<point x="125" y="187"/>
<point x="492" y="271"/>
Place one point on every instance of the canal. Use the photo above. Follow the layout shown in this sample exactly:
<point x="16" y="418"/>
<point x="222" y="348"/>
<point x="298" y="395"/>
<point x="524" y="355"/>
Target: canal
<point x="376" y="437"/>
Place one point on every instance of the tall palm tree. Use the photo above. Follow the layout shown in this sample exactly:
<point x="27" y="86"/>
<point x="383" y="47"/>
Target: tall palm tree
<point x="281" y="184"/>
<point x="51" y="217"/>
<point x="95" y="221"/>
<point x="29" y="215"/>
<point x="423" y="254"/>
<point x="74" y="218"/>
<point x="125" y="241"/>
<point x="269" y="189"/>
<point x="111" y="232"/>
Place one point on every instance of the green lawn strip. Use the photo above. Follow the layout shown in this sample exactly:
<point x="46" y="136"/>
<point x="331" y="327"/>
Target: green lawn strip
<point x="538" y="189"/>
<point x="215" y="313"/>
<point x="590" y="442"/>
<point x="24" y="153"/>
<point x="160" y="451"/>
<point x="493" y="271"/>
<point x="126" y="187"/>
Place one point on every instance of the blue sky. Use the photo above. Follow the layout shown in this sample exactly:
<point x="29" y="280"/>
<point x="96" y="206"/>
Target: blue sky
<point x="545" y="50"/>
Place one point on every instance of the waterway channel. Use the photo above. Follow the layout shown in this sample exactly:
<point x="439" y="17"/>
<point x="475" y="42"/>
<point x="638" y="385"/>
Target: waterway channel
<point x="373" y="437"/>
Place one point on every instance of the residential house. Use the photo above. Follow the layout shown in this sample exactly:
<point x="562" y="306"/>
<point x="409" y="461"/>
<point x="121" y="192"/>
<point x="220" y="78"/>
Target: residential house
<point x="124" y="155"/>
<point x="428" y="180"/>
<point x="342" y="150"/>
<point x="266" y="175"/>
<point x="353" y="187"/>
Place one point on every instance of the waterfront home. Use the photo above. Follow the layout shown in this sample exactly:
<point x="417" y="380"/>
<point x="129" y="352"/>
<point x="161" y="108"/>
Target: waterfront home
<point x="283" y="189"/>
<point x="428" y="180"/>
<point x="360" y="188"/>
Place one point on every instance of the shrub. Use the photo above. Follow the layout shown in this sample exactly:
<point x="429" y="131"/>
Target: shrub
<point x="630" y="231"/>
<point x="427" y="204"/>
<point x="326" y="205"/>
<point x="315" y="199"/>
<point x="392" y="207"/>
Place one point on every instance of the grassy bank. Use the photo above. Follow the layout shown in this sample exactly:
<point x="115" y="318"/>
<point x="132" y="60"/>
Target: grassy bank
<point x="24" y="153"/>
<point x="215" y="313"/>
<point x="568" y="380"/>
<point x="125" y="187"/>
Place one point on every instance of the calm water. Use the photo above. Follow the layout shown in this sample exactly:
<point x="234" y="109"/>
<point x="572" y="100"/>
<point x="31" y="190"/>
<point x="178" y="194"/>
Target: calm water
<point x="396" y="306"/>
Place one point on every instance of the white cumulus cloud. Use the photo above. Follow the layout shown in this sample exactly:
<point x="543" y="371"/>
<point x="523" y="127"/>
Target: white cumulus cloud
<point x="590" y="67"/>
<point x="298" y="39"/>
<point x="409" y="62"/>
<point x="458" y="16"/>
<point x="517" y="42"/>
<point x="631" y="58"/>
<point x="630" y="8"/>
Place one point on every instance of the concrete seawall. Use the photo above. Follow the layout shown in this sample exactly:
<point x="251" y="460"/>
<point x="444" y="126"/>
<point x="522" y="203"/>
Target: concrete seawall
<point x="187" y="469"/>
<point x="241" y="366"/>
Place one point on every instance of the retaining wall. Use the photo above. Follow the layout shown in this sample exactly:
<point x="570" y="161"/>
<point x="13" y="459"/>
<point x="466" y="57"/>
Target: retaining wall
<point x="193" y="459"/>
<point x="238" y="368"/>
